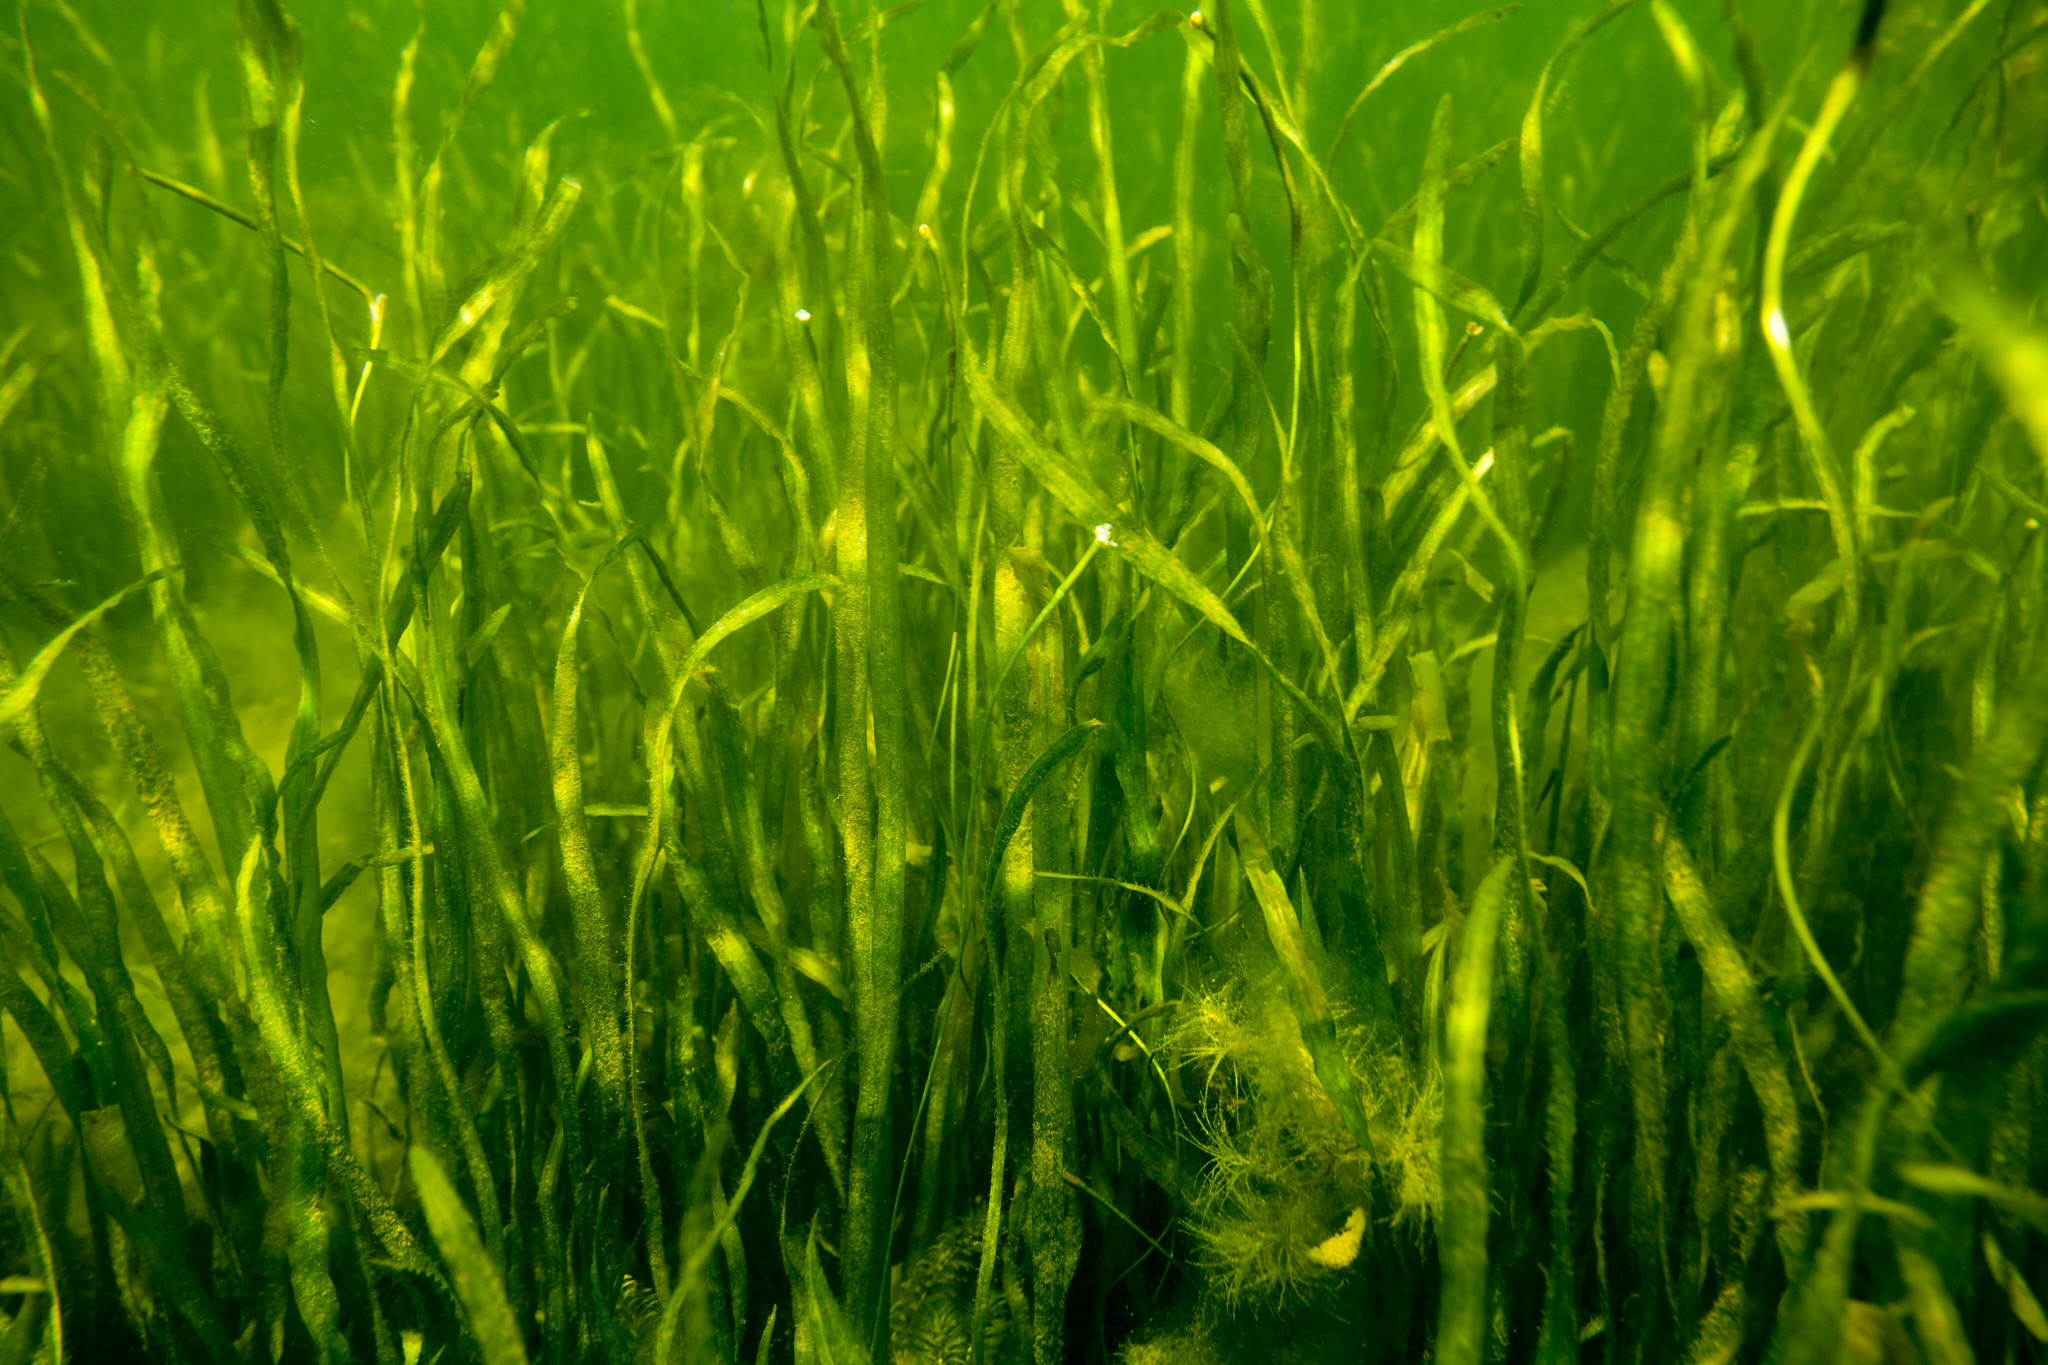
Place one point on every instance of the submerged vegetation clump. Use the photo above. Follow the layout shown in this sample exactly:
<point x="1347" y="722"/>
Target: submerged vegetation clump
<point x="1280" y="1208"/>
<point x="979" y="682"/>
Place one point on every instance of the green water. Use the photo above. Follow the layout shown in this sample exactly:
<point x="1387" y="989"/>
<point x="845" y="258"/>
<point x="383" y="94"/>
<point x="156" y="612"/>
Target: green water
<point x="690" y="681"/>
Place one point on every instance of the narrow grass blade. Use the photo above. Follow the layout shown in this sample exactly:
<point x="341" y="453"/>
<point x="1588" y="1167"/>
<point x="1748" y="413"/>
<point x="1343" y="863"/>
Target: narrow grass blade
<point x="498" y="1338"/>
<point x="1402" y="58"/>
<point x="1462" y="1226"/>
<point x="21" y="694"/>
<point x="1311" y="1002"/>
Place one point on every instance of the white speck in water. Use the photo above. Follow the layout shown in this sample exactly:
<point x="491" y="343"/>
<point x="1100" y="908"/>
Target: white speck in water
<point x="803" y="315"/>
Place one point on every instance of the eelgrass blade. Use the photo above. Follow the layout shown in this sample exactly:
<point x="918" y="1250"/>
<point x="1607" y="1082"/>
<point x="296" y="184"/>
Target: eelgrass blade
<point x="1401" y="58"/>
<point x="999" y="914"/>
<point x="832" y="1334"/>
<point x="496" y="1332"/>
<point x="1035" y="776"/>
<point x="699" y="1256"/>
<point x="1558" y="1337"/>
<point x="21" y="1200"/>
<point x="1703" y="354"/>
<point x="1762" y="1060"/>
<point x="1181" y="375"/>
<point x="2017" y="352"/>
<point x="595" y="939"/>
<point x="1310" y="1000"/>
<point x="25" y="684"/>
<point x="1431" y="277"/>
<point x="869" y="647"/>
<point x="1529" y="147"/>
<point x="1461" y="1314"/>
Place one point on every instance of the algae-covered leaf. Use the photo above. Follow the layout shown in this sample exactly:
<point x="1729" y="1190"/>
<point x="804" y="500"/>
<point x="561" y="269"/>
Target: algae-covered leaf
<point x="1463" y="1220"/>
<point x="505" y="278"/>
<point x="22" y="695"/>
<point x="1035" y="776"/>
<point x="832" y="1336"/>
<point x="483" y="69"/>
<point x="1072" y="486"/>
<point x="1465" y="295"/>
<point x="752" y="609"/>
<point x="1089" y="505"/>
<point x="1305" y="985"/>
<point x="476" y="1280"/>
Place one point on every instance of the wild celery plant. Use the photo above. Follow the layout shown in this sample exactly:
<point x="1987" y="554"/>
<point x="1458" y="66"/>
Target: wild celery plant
<point x="701" y="759"/>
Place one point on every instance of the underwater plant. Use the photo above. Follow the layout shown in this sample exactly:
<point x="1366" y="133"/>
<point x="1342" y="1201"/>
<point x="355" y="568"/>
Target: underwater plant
<point x="995" y="680"/>
<point x="1284" y="1186"/>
